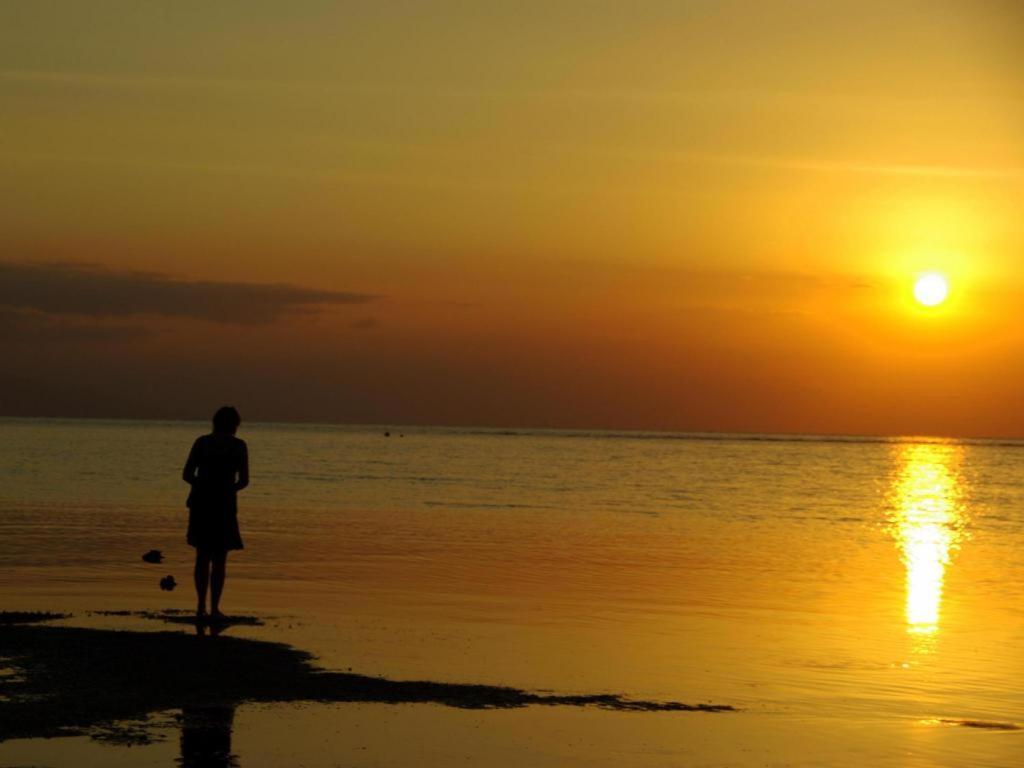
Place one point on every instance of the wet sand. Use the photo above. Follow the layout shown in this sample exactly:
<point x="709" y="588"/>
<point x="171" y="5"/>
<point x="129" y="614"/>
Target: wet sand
<point x="66" y="681"/>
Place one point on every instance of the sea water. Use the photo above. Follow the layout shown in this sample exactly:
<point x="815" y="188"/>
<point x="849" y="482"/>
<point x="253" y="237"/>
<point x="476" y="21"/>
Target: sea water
<point x="856" y="599"/>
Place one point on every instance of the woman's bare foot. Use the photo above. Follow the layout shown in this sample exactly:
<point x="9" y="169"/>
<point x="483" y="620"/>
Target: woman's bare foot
<point x="216" y="615"/>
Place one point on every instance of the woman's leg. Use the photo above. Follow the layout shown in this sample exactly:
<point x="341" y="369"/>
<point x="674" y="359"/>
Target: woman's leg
<point x="218" y="573"/>
<point x="202" y="578"/>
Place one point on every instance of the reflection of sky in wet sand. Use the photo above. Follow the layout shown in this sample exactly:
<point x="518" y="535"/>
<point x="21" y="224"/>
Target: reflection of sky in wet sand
<point x="928" y="520"/>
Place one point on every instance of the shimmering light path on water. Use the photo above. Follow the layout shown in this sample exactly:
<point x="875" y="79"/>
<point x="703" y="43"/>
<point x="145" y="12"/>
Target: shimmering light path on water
<point x="860" y="600"/>
<point x="929" y="524"/>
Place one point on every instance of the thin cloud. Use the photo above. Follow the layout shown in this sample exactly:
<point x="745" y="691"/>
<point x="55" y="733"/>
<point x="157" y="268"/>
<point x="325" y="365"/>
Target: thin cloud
<point x="148" y="82"/>
<point x="32" y="327"/>
<point x="882" y="169"/>
<point x="74" y="289"/>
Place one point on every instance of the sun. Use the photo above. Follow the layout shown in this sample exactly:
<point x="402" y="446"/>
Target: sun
<point x="931" y="289"/>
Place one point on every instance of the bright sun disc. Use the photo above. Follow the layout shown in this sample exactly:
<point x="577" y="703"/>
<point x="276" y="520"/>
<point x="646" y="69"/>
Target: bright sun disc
<point x="931" y="289"/>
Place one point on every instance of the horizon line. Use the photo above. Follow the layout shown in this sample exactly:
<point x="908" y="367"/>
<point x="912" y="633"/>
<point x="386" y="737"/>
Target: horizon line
<point x="621" y="432"/>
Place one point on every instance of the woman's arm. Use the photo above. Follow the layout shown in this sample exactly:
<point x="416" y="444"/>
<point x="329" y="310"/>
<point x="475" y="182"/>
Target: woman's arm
<point x="188" y="474"/>
<point x="243" y="468"/>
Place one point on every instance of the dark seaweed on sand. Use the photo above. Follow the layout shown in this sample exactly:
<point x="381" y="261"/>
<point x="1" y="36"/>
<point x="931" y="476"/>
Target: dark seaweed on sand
<point x="71" y="679"/>
<point x="172" y="616"/>
<point x="28" y="617"/>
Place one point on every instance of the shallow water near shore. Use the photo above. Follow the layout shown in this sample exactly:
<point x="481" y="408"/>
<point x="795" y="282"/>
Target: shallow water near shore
<point x="857" y="600"/>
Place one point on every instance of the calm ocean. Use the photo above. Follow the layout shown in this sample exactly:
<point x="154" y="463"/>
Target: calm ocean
<point x="865" y="596"/>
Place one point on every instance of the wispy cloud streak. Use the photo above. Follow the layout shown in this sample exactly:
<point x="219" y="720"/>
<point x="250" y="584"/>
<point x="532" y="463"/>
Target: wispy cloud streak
<point x="74" y="289"/>
<point x="884" y="169"/>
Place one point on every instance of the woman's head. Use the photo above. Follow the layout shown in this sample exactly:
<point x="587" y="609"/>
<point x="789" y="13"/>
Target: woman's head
<point x="226" y="419"/>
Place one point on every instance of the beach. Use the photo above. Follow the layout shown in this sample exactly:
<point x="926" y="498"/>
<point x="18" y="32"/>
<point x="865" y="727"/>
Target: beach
<point x="762" y="600"/>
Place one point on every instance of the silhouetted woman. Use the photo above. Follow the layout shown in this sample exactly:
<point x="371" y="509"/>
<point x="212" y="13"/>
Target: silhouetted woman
<point x="217" y="469"/>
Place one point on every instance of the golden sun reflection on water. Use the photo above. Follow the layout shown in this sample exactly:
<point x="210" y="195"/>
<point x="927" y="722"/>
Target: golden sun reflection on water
<point x="928" y="520"/>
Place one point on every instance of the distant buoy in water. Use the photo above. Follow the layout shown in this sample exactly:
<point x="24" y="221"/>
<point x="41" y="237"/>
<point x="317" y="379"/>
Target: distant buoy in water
<point x="167" y="583"/>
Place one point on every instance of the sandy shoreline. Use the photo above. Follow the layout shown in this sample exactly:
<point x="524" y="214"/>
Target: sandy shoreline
<point x="66" y="680"/>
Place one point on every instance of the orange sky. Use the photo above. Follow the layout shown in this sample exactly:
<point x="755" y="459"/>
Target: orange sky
<point x="672" y="215"/>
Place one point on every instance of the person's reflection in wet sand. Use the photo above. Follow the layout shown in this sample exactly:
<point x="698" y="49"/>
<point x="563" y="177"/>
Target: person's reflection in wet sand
<point x="206" y="730"/>
<point x="203" y="629"/>
<point x="206" y="737"/>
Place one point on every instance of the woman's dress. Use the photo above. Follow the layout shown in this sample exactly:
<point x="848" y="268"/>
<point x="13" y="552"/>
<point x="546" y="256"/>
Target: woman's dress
<point x="216" y="460"/>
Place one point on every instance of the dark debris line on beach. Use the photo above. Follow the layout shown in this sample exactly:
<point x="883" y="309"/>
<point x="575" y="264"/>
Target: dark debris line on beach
<point x="70" y="679"/>
<point x="25" y="617"/>
<point x="179" y="617"/>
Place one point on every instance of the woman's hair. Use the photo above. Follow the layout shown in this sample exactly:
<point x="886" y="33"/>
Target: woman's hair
<point x="226" y="419"/>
